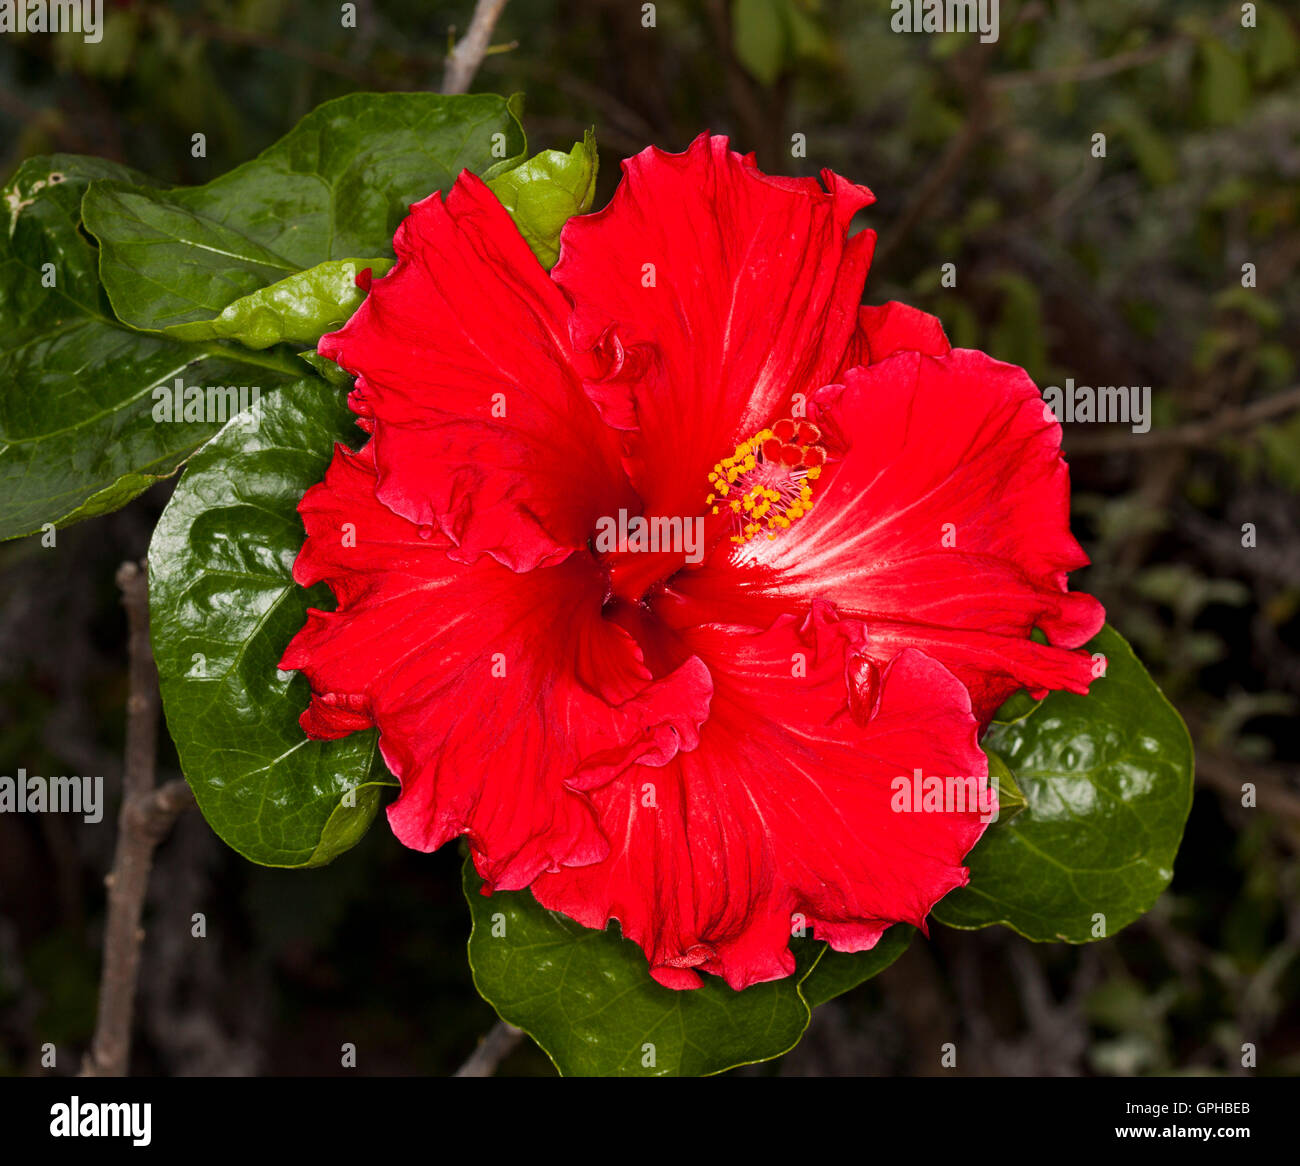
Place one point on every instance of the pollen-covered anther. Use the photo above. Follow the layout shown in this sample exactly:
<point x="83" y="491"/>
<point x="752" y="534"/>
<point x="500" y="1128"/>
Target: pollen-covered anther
<point x="767" y="482"/>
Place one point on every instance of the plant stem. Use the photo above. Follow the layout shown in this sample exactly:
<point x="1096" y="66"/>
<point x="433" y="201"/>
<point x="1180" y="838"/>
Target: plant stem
<point x="146" y="815"/>
<point x="492" y="1050"/>
<point x="468" y="53"/>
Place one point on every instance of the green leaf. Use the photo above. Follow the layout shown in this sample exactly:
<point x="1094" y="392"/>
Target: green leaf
<point x="328" y="370"/>
<point x="1274" y="47"/>
<point x="335" y="186"/>
<point x="1155" y="157"/>
<point x="586" y="997"/>
<point x="299" y="309"/>
<point x="1224" y="89"/>
<point x="1017" y="706"/>
<point x="837" y="972"/>
<point x="222" y="555"/>
<point x="224" y="605"/>
<point x="1107" y="780"/>
<point x="760" y="38"/>
<point x="1011" y="799"/>
<point x="543" y="193"/>
<point x="77" y="433"/>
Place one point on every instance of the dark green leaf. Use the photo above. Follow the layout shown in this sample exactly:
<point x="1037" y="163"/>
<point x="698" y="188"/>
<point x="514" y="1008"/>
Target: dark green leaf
<point x="335" y="186"/>
<point x="587" y="997"/>
<point x="77" y="432"/>
<point x="543" y="193"/>
<point x="1107" y="779"/>
<point x="224" y="605"/>
<point x="1017" y="705"/>
<point x="837" y="972"/>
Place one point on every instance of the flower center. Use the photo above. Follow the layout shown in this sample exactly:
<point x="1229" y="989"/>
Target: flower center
<point x="767" y="482"/>
<point x="764" y="487"/>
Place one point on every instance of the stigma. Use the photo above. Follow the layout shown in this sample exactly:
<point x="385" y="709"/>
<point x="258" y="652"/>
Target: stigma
<point x="767" y="482"/>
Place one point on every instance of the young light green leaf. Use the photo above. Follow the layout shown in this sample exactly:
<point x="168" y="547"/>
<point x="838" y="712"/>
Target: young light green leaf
<point x="327" y="370"/>
<point x="1107" y="781"/>
<point x="543" y="193"/>
<point x="297" y="310"/>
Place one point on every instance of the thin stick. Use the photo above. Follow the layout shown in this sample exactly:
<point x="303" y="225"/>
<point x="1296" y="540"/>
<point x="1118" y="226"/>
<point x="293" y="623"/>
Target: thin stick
<point x="1091" y="70"/>
<point x="492" y="1050"/>
<point x="143" y="821"/>
<point x="464" y="59"/>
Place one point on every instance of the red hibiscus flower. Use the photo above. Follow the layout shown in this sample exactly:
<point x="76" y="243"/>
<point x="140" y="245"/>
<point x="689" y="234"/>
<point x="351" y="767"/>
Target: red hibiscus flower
<point x="696" y="731"/>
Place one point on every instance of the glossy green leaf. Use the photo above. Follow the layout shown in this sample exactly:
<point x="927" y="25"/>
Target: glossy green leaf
<point x="224" y="606"/>
<point x="77" y="431"/>
<point x="588" y="1000"/>
<point x="838" y="972"/>
<point x="1017" y="705"/>
<point x="335" y="186"/>
<point x="1107" y="781"/>
<point x="296" y="310"/>
<point x="543" y="193"/>
<point x="222" y="557"/>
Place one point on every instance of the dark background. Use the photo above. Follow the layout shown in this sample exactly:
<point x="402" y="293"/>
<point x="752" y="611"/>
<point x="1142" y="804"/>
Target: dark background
<point x="1117" y="271"/>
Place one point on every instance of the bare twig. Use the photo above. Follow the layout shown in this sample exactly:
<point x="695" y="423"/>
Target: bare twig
<point x="468" y="53"/>
<point x="936" y="181"/>
<point x="1192" y="433"/>
<point x="971" y="71"/>
<point x="1091" y="70"/>
<point x="144" y="819"/>
<point x="492" y="1050"/>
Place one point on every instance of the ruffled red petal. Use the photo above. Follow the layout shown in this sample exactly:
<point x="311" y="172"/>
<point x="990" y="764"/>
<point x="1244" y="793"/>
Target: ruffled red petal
<point x="886" y="329"/>
<point x="706" y="294"/>
<point x="499" y="696"/>
<point x="784" y="818"/>
<point x="941" y="521"/>
<point x="480" y="424"/>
